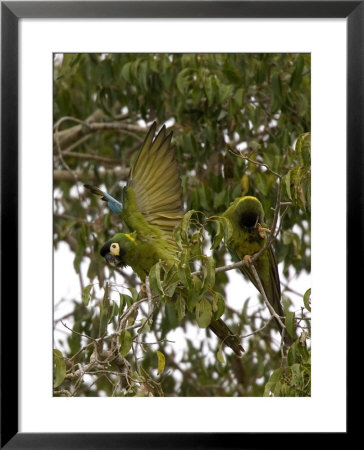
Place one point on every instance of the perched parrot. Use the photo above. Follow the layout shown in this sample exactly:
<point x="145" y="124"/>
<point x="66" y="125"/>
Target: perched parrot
<point x="249" y="236"/>
<point x="151" y="208"/>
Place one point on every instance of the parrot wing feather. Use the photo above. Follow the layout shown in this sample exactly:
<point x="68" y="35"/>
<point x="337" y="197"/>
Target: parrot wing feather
<point x="156" y="182"/>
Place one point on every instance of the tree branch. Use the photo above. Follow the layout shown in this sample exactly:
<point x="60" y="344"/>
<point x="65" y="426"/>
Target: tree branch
<point x="64" y="175"/>
<point x="261" y="290"/>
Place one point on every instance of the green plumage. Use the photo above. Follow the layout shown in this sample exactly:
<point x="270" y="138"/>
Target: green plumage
<point x="152" y="207"/>
<point x="246" y="216"/>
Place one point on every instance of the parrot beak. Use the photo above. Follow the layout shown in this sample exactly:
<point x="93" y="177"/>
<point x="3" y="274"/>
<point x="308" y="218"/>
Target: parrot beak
<point x="112" y="259"/>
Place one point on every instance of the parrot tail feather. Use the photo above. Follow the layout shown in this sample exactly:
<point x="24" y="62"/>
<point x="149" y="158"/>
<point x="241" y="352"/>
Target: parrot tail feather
<point x="223" y="332"/>
<point x="114" y="205"/>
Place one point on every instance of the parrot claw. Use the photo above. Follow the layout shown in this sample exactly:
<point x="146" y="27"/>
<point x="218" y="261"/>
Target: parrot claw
<point x="262" y="230"/>
<point x="247" y="259"/>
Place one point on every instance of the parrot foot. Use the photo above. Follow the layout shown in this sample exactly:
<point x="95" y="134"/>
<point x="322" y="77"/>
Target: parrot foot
<point x="262" y="230"/>
<point x="248" y="259"/>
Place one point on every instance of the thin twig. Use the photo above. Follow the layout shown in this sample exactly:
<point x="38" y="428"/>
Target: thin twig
<point x="246" y="158"/>
<point x="79" y="334"/>
<point x="260" y="329"/>
<point x="261" y="290"/>
<point x="150" y="301"/>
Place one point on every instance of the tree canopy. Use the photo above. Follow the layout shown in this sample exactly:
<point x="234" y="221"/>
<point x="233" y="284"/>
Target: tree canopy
<point x="241" y="126"/>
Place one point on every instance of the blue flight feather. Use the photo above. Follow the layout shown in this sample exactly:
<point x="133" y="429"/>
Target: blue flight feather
<point x="114" y="205"/>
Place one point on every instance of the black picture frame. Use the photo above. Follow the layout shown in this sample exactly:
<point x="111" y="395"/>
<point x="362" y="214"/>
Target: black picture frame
<point x="11" y="13"/>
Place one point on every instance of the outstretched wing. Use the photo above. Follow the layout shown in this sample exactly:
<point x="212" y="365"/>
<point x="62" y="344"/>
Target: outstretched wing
<point x="156" y="183"/>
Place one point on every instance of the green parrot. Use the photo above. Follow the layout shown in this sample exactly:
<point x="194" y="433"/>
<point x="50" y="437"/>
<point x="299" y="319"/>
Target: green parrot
<point x="249" y="236"/>
<point x="152" y="207"/>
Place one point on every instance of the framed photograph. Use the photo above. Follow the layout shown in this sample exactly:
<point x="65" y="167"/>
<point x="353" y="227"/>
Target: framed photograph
<point x="166" y="228"/>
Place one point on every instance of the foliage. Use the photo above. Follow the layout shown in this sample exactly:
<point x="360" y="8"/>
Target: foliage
<point x="294" y="379"/>
<point x="241" y="126"/>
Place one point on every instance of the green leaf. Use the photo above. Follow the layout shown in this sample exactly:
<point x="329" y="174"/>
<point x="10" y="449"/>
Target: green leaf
<point x="203" y="313"/>
<point x="303" y="149"/>
<point x="184" y="271"/>
<point x="183" y="80"/>
<point x="210" y="90"/>
<point x="239" y="97"/>
<point x="126" y="342"/>
<point x="143" y="75"/>
<point x="297" y="353"/>
<point x="287" y="237"/>
<point x="125" y="72"/>
<point x="209" y="272"/>
<point x="181" y="307"/>
<point x="287" y="184"/>
<point x="224" y="230"/>
<point x="145" y="328"/>
<point x="218" y="305"/>
<point x="134" y="293"/>
<point x="171" y="275"/>
<point x="125" y="300"/>
<point x="86" y="297"/>
<point x="290" y="323"/>
<point x="307" y="300"/>
<point x="221" y="115"/>
<point x="244" y="181"/>
<point x="228" y="228"/>
<point x="170" y="289"/>
<point x="155" y="279"/>
<point x="80" y="251"/>
<point x="218" y="236"/>
<point x="59" y="368"/>
<point x="161" y="362"/>
<point x="185" y="224"/>
<point x="297" y="73"/>
<point x="171" y="281"/>
<point x="225" y="91"/>
<point x="194" y="293"/>
<point x="220" y="199"/>
<point x="113" y="312"/>
<point x="104" y="306"/>
<point x="273" y="384"/>
<point x="261" y="181"/>
<point x="220" y="355"/>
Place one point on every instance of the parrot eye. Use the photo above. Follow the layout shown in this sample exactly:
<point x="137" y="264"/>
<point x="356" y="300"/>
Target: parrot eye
<point x="115" y="249"/>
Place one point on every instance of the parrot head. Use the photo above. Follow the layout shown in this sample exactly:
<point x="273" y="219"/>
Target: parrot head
<point x="115" y="250"/>
<point x="249" y="212"/>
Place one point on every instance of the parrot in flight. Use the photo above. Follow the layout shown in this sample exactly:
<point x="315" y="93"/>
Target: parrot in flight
<point x="152" y="207"/>
<point x="246" y="216"/>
